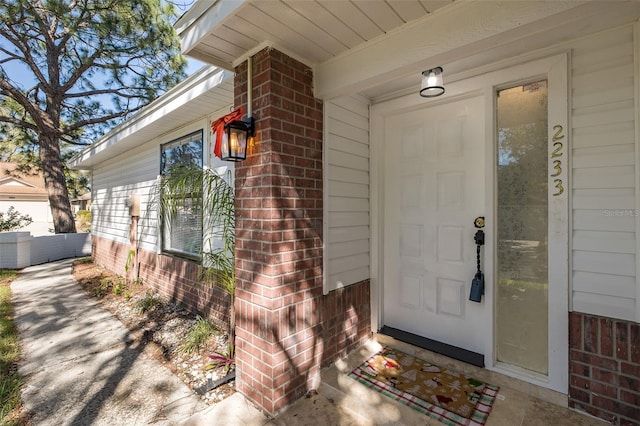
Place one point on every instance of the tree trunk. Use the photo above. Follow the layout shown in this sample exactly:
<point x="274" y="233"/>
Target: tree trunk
<point x="55" y="182"/>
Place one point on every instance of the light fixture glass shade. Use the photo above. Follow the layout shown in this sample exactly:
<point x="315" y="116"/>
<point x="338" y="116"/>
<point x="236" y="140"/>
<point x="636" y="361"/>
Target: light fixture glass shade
<point x="432" y="85"/>
<point x="235" y="140"/>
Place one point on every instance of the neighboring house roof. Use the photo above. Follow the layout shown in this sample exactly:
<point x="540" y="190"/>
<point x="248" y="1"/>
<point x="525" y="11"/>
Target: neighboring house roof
<point x="415" y="35"/>
<point x="206" y="91"/>
<point x="16" y="184"/>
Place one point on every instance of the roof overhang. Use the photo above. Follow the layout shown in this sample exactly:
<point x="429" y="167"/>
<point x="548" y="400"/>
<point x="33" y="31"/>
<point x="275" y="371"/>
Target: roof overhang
<point x="11" y="180"/>
<point x="205" y="92"/>
<point x="373" y="46"/>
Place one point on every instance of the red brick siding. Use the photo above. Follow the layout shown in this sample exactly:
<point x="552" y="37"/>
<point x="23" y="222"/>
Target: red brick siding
<point x="172" y="277"/>
<point x="604" y="368"/>
<point x="286" y="329"/>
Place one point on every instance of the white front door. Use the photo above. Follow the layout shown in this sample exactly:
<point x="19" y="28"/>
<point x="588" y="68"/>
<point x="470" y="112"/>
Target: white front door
<point x="434" y="188"/>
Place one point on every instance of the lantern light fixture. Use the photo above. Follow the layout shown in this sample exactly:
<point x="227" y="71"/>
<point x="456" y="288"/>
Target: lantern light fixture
<point x="238" y="134"/>
<point x="236" y="138"/>
<point x="432" y="85"/>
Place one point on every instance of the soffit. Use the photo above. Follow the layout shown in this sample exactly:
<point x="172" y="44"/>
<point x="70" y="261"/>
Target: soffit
<point x="311" y="30"/>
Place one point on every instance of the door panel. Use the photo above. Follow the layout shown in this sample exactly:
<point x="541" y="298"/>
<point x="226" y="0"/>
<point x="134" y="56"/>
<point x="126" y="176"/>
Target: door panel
<point x="434" y="188"/>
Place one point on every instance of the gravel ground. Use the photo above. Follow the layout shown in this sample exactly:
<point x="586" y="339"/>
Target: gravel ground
<point x="162" y="327"/>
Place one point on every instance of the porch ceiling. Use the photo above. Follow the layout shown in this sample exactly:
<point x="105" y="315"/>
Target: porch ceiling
<point x="377" y="47"/>
<point x="222" y="31"/>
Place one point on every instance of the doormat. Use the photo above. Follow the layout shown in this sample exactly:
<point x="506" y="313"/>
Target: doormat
<point x="450" y="397"/>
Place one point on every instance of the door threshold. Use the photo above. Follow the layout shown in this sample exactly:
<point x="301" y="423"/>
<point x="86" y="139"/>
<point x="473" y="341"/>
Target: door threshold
<point x="441" y="348"/>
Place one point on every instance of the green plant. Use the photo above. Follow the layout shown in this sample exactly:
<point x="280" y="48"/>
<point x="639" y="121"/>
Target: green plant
<point x="10" y="381"/>
<point x="102" y="288"/>
<point x="13" y="220"/>
<point x="223" y="360"/>
<point x="148" y="302"/>
<point x="83" y="220"/>
<point x="119" y="287"/>
<point x="198" y="335"/>
<point x="130" y="257"/>
<point x="83" y="260"/>
<point x="217" y="196"/>
<point x="84" y="214"/>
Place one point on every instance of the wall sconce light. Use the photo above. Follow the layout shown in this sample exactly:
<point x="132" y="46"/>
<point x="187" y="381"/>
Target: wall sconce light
<point x="432" y="83"/>
<point x="233" y="136"/>
<point x="236" y="138"/>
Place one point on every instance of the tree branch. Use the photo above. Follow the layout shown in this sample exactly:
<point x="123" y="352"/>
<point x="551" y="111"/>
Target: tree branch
<point x="96" y="120"/>
<point x="117" y="91"/>
<point x="8" y="90"/>
<point x="18" y="122"/>
<point x="20" y="41"/>
<point x="72" y="142"/>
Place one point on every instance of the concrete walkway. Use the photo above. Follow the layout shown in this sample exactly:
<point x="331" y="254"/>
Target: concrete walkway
<point x="80" y="365"/>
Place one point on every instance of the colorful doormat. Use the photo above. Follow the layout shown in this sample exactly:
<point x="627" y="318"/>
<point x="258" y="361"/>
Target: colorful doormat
<point x="448" y="396"/>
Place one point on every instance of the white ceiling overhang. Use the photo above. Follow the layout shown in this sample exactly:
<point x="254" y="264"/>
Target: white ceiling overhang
<point x="205" y="92"/>
<point x="377" y="46"/>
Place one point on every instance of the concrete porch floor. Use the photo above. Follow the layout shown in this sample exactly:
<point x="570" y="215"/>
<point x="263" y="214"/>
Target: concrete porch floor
<point x="343" y="401"/>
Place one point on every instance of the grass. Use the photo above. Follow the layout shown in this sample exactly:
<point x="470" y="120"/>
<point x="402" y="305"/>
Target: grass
<point x="198" y="335"/>
<point x="10" y="381"/>
<point x="83" y="260"/>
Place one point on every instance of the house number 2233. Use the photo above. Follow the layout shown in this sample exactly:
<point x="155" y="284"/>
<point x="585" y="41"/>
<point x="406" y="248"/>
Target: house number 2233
<point x="556" y="157"/>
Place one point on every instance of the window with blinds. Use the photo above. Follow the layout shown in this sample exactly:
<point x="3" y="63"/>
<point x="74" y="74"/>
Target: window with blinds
<point x="182" y="231"/>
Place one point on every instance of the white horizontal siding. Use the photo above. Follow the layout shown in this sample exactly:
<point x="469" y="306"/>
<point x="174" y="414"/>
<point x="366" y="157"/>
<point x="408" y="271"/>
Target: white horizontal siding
<point x="604" y="305"/>
<point x="604" y="263"/>
<point x="604" y="176"/>
<point x="604" y="242"/>
<point x="612" y="285"/>
<point x="346" y="165"/>
<point x="113" y="182"/>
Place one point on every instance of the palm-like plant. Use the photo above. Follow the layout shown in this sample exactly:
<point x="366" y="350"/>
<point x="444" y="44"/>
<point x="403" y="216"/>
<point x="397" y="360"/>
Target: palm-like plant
<point x="186" y="187"/>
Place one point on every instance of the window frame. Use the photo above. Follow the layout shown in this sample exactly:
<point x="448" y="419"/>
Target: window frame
<point x="164" y="228"/>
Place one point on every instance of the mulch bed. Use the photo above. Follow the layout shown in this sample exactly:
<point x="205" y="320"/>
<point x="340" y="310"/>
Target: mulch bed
<point x="160" y="329"/>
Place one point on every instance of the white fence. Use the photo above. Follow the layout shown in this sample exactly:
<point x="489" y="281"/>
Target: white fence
<point x="20" y="249"/>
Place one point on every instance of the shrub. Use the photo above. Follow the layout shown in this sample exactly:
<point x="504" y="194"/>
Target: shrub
<point x="148" y="302"/>
<point x="83" y="220"/>
<point x="13" y="220"/>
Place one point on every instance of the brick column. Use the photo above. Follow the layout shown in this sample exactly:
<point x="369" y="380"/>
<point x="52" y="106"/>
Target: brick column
<point x="279" y="234"/>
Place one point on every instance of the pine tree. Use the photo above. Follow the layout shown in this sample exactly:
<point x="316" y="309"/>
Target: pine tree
<point x="88" y="64"/>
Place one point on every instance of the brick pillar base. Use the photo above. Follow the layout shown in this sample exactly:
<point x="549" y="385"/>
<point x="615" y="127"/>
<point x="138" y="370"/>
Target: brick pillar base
<point x="604" y="368"/>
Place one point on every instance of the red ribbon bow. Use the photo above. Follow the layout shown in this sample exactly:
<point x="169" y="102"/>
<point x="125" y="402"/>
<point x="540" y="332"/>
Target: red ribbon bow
<point x="218" y="128"/>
